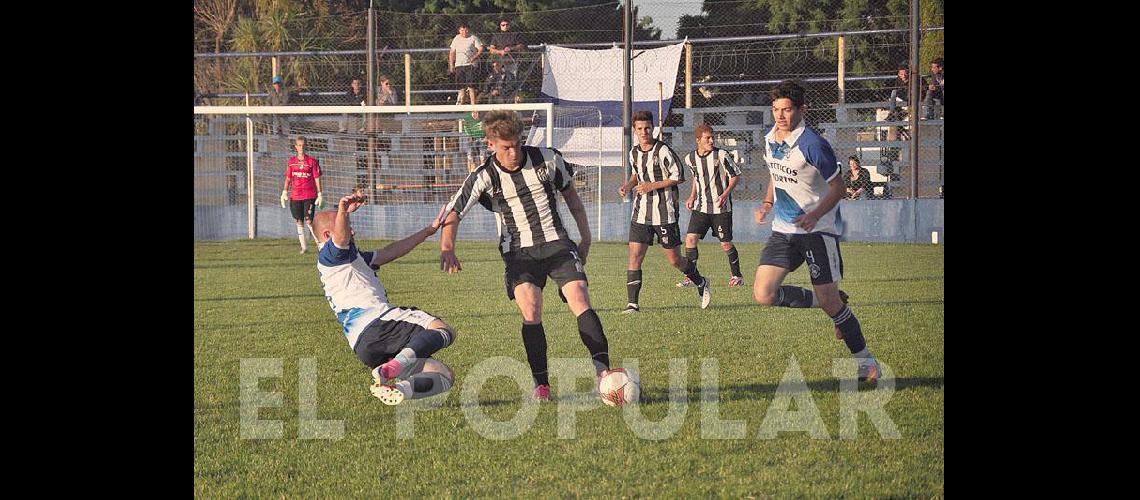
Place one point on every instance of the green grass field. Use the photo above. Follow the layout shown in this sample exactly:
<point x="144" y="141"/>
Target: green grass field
<point x="261" y="299"/>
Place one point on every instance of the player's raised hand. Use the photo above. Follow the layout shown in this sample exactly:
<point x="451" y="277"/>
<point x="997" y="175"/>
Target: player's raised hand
<point x="350" y="203"/>
<point x="449" y="262"/>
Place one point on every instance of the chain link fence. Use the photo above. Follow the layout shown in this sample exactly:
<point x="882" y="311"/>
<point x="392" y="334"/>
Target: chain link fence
<point x="737" y="54"/>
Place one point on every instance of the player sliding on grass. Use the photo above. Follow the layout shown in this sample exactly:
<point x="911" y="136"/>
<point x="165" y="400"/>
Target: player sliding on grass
<point x="804" y="194"/>
<point x="396" y="343"/>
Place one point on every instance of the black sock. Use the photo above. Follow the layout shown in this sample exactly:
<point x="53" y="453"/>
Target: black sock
<point x="633" y="285"/>
<point x="691" y="254"/>
<point x="590" y="328"/>
<point x="534" y="340"/>
<point x="734" y="261"/>
<point x="692" y="273"/>
<point x="852" y="333"/>
<point x="427" y="342"/>
<point x="793" y="296"/>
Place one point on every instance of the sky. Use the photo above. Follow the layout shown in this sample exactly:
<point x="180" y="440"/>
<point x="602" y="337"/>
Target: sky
<point x="665" y="14"/>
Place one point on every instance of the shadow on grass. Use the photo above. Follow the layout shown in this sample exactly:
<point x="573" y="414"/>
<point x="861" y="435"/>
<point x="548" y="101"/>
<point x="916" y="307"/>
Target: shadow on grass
<point x="738" y="392"/>
<point x="244" y="265"/>
<point x="261" y="297"/>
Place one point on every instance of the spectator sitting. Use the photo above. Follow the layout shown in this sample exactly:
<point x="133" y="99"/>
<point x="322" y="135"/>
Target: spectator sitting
<point x="935" y="90"/>
<point x="387" y="96"/>
<point x="355" y="96"/>
<point x="499" y="85"/>
<point x="505" y="44"/>
<point x="900" y="94"/>
<point x="858" y="180"/>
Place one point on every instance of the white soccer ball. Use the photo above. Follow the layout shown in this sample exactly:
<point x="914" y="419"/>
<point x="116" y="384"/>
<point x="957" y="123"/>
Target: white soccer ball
<point x="619" y="386"/>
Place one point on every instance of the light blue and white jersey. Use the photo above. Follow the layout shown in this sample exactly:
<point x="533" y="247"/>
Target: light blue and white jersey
<point x="800" y="167"/>
<point x="354" y="292"/>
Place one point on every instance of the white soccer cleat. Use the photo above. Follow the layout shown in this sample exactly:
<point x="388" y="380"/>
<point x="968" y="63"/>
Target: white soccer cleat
<point x="705" y="293"/>
<point x="387" y="394"/>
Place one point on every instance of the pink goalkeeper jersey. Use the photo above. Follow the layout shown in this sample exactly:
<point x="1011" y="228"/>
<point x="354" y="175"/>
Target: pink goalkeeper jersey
<point x="304" y="174"/>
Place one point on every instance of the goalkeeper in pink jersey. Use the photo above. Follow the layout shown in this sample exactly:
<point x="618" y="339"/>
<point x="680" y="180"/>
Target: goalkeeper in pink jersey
<point x="304" y="172"/>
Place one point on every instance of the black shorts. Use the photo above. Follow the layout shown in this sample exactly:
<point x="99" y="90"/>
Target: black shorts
<point x="668" y="234"/>
<point x="303" y="209"/>
<point x="466" y="76"/>
<point x="721" y="224"/>
<point x="557" y="259"/>
<point x="383" y="339"/>
<point x="820" y="250"/>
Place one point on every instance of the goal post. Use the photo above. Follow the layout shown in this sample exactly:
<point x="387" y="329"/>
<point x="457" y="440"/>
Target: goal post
<point x="408" y="160"/>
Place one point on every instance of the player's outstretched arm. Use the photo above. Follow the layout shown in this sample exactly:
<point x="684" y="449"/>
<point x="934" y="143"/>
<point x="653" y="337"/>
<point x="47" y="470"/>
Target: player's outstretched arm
<point x="401" y="248"/>
<point x="574" y="203"/>
<point x="447" y="259"/>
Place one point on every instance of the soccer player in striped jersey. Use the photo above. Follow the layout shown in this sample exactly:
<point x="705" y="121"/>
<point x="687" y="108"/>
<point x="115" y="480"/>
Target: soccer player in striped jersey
<point x="396" y="343"/>
<point x="518" y="183"/>
<point x="804" y="195"/>
<point x="656" y="172"/>
<point x="714" y="177"/>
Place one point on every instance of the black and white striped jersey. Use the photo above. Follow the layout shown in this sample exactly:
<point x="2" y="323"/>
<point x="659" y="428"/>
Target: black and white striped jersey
<point x="657" y="207"/>
<point x="711" y="173"/>
<point x="524" y="201"/>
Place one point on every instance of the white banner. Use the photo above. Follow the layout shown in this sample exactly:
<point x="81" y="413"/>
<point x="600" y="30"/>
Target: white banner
<point x="596" y="75"/>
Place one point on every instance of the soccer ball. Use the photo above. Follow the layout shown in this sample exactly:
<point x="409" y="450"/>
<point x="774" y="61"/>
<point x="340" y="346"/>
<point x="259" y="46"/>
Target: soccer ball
<point x="619" y="386"/>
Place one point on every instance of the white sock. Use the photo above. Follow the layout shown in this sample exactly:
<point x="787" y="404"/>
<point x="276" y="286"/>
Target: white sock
<point x="301" y="236"/>
<point x="310" y="226"/>
<point x="406" y="357"/>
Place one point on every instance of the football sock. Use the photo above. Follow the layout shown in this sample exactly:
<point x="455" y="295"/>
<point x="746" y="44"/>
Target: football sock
<point x="633" y="285"/>
<point x="734" y="261"/>
<point x="691" y="254"/>
<point x="424" y="344"/>
<point x="852" y="334"/>
<point x="534" y="340"/>
<point x="693" y="274"/>
<point x="424" y="384"/>
<point x="590" y="329"/>
<point x="301" y="235"/>
<point x="794" y="296"/>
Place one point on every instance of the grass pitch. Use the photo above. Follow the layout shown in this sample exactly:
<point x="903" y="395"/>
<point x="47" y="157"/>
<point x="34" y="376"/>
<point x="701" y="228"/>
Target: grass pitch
<point x="322" y="435"/>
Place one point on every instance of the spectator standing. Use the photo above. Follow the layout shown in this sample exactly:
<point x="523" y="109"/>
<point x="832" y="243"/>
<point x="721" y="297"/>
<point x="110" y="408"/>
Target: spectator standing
<point x="355" y="96"/>
<point x="465" y="51"/>
<point x="278" y="96"/>
<point x="935" y="90"/>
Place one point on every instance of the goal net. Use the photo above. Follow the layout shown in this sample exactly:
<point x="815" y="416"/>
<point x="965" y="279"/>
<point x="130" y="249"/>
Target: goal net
<point x="407" y="160"/>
